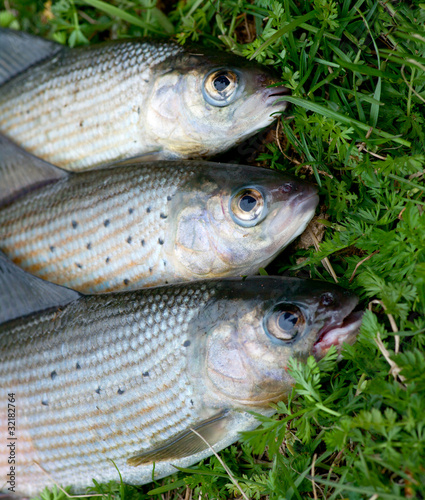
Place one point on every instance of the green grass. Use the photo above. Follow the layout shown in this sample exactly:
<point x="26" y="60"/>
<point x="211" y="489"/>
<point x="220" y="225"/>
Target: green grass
<point x="355" y="127"/>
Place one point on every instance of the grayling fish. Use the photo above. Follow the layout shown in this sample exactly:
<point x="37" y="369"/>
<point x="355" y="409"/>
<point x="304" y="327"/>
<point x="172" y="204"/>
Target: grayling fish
<point x="145" y="224"/>
<point x="78" y="108"/>
<point x="126" y="376"/>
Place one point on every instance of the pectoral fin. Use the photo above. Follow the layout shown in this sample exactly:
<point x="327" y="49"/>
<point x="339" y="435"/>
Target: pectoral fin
<point x="187" y="443"/>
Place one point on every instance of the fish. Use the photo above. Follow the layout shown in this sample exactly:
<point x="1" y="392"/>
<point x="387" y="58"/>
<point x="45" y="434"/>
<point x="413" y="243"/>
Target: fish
<point x="146" y="223"/>
<point x="82" y="107"/>
<point x="122" y="379"/>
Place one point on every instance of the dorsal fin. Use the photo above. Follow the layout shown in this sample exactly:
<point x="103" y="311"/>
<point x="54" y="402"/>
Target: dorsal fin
<point x="22" y="294"/>
<point x="19" y="51"/>
<point x="21" y="171"/>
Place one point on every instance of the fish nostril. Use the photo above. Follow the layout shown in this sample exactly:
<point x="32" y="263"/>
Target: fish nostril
<point x="288" y="187"/>
<point x="263" y="78"/>
<point x="327" y="299"/>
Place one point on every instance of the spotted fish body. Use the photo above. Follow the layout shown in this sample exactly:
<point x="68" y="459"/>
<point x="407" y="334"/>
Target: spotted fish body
<point x="100" y="86"/>
<point x="78" y="108"/>
<point x="146" y="224"/>
<point x="101" y="232"/>
<point x="126" y="376"/>
<point x="102" y="380"/>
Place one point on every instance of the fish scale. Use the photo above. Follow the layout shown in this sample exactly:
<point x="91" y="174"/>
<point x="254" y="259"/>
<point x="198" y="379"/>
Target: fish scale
<point x="114" y="82"/>
<point x="80" y="108"/>
<point x="144" y="224"/>
<point x="151" y="406"/>
<point x="120" y="221"/>
<point x="126" y="377"/>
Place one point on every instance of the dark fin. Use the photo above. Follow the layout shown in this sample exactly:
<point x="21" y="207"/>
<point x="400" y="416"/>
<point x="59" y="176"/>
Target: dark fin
<point x="21" y="171"/>
<point x="187" y="443"/>
<point x="22" y="294"/>
<point x="19" y="51"/>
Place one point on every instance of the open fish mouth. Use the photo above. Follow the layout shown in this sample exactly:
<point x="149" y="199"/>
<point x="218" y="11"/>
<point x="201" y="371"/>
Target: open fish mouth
<point x="335" y="334"/>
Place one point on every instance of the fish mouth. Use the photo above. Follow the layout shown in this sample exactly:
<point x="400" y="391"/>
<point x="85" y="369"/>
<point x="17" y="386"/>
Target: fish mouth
<point x="306" y="202"/>
<point x="345" y="330"/>
<point x="292" y="221"/>
<point x="303" y="207"/>
<point x="274" y="93"/>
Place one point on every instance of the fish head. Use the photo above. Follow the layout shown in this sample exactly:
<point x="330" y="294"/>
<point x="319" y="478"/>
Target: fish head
<point x="237" y="219"/>
<point x="258" y="324"/>
<point x="203" y="103"/>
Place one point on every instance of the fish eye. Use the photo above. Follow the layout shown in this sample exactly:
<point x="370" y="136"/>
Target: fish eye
<point x="285" y="322"/>
<point x="220" y="82"/>
<point x="247" y="207"/>
<point x="220" y="87"/>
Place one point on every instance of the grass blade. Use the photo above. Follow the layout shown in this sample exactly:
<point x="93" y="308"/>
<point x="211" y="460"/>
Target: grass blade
<point x="125" y="16"/>
<point x="288" y="28"/>
<point x="366" y="70"/>
<point x="167" y="487"/>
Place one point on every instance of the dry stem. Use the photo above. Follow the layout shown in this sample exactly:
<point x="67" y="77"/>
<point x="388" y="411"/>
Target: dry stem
<point x="360" y="263"/>
<point x="222" y="463"/>
<point x="392" y="323"/>
<point x="326" y="262"/>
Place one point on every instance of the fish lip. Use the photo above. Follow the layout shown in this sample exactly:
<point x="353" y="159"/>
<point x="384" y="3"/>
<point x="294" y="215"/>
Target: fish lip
<point x="305" y="201"/>
<point x="337" y="332"/>
<point x="301" y="211"/>
<point x="274" y="93"/>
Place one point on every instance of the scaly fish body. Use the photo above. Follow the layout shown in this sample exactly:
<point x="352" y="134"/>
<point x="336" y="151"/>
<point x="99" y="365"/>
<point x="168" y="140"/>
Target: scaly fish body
<point x="125" y="376"/>
<point x="148" y="224"/>
<point x="79" y="108"/>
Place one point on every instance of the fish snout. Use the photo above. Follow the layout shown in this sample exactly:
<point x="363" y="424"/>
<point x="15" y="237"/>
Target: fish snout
<point x="297" y="202"/>
<point x="297" y="192"/>
<point x="342" y="319"/>
<point x="343" y="330"/>
<point x="274" y="95"/>
<point x="308" y="197"/>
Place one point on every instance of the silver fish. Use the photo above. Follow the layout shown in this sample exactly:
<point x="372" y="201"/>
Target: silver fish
<point x="145" y="224"/>
<point x="126" y="376"/>
<point x="79" y="108"/>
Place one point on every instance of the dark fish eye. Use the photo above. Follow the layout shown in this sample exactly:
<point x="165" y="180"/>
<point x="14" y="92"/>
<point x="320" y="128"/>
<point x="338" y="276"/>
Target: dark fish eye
<point x="247" y="206"/>
<point x="247" y="203"/>
<point x="285" y="322"/>
<point x="221" y="82"/>
<point x="220" y="87"/>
